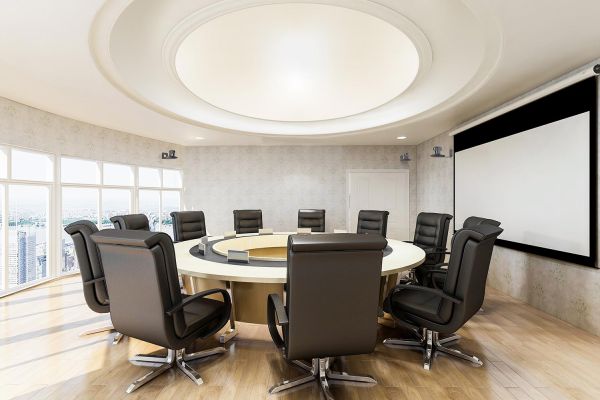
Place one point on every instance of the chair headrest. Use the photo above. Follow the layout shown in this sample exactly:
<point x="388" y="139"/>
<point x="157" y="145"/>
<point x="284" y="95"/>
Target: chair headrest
<point x="482" y="232"/>
<point x="336" y="242"/>
<point x="144" y="239"/>
<point x="78" y="226"/>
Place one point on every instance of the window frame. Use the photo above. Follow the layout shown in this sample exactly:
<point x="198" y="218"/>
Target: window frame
<point x="55" y="207"/>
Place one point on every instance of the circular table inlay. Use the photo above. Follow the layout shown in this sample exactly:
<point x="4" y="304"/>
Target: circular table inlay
<point x="261" y="247"/>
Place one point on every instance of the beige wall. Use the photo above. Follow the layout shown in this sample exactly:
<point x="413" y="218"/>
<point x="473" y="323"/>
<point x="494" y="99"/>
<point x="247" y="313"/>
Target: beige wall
<point x="567" y="291"/>
<point x="281" y="179"/>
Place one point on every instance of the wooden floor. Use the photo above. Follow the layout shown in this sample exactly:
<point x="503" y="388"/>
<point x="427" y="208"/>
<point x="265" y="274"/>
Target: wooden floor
<point x="527" y="355"/>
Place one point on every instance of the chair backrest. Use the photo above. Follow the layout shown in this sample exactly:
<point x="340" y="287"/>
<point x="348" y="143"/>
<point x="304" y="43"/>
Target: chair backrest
<point x="372" y="221"/>
<point x="332" y="296"/>
<point x="313" y="219"/>
<point x="467" y="272"/>
<point x="132" y="222"/>
<point x="142" y="281"/>
<point x="247" y="221"/>
<point x="188" y="225"/>
<point x="90" y="266"/>
<point x="431" y="232"/>
<point x="473" y="221"/>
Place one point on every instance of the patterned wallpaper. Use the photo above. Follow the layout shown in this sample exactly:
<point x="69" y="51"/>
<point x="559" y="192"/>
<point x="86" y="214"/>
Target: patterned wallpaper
<point x="34" y="129"/>
<point x="280" y="180"/>
<point x="567" y="291"/>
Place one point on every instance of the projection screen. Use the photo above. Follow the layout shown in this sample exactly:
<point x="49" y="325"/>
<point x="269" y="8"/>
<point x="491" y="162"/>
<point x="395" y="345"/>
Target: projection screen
<point x="534" y="170"/>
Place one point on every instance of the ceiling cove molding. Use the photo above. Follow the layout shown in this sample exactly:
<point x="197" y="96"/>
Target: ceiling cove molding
<point x="407" y="107"/>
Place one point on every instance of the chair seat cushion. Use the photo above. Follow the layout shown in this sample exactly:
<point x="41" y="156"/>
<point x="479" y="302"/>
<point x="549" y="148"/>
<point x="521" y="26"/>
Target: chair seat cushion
<point x="420" y="304"/>
<point x="198" y="314"/>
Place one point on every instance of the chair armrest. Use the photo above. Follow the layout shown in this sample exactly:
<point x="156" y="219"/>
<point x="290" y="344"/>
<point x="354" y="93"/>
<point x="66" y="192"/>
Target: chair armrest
<point x="92" y="281"/>
<point x="436" y="271"/>
<point x="437" y="292"/>
<point x="276" y="315"/>
<point x="194" y="297"/>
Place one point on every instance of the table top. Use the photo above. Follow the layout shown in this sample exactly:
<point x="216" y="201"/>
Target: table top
<point x="404" y="256"/>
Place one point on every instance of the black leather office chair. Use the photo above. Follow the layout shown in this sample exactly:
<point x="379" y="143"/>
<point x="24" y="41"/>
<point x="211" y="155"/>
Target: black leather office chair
<point x="313" y="219"/>
<point x="372" y="221"/>
<point x="437" y="273"/>
<point x="447" y="309"/>
<point x="92" y="274"/>
<point x="247" y="221"/>
<point x="331" y="304"/>
<point x="431" y="235"/>
<point x="141" y="278"/>
<point x="188" y="225"/>
<point x="134" y="222"/>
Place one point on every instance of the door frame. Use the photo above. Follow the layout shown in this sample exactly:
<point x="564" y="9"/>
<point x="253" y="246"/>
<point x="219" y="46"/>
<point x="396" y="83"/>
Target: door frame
<point x="405" y="171"/>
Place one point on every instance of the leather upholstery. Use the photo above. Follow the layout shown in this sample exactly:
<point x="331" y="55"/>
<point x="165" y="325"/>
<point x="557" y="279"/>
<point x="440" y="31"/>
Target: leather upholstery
<point x="134" y="222"/>
<point x="333" y="287"/>
<point x="466" y="278"/>
<point x="372" y="221"/>
<point x="247" y="221"/>
<point x="431" y="234"/>
<point x="90" y="266"/>
<point x="313" y="219"/>
<point x="142" y="281"/>
<point x="473" y="221"/>
<point x="188" y="225"/>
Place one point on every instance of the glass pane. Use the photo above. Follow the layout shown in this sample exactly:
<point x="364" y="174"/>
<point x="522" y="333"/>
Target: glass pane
<point x="77" y="204"/>
<point x="118" y="174"/>
<point x="150" y="205"/>
<point x="170" y="202"/>
<point x="3" y="162"/>
<point x="171" y="178"/>
<point x="114" y="202"/>
<point x="73" y="170"/>
<point x="27" y="234"/>
<point x="149" y="177"/>
<point x="31" y="166"/>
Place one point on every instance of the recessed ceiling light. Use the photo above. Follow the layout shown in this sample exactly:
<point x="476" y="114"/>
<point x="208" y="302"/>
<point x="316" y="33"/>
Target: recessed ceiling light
<point x="199" y="138"/>
<point x="401" y="137"/>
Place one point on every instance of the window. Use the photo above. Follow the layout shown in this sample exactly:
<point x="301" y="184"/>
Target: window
<point x="114" y="202"/>
<point x="31" y="166"/>
<point x="149" y="204"/>
<point x="3" y="163"/>
<point x="36" y="205"/>
<point x="118" y="175"/>
<point x="158" y="204"/>
<point x="171" y="201"/>
<point x="73" y="170"/>
<point x="149" y="177"/>
<point x="77" y="203"/>
<point x="28" y="231"/>
<point x="171" y="178"/>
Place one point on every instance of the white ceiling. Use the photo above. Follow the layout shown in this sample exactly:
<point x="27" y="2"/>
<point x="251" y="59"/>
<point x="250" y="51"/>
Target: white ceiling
<point x="110" y="63"/>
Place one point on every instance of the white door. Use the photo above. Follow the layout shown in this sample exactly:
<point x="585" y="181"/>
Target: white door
<point x="380" y="190"/>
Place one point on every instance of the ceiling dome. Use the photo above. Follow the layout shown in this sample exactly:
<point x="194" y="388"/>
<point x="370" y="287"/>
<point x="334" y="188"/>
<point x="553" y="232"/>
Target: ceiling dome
<point x="295" y="68"/>
<point x="297" y="62"/>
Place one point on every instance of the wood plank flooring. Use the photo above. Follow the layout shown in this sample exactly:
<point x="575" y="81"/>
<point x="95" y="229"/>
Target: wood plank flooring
<point x="527" y="355"/>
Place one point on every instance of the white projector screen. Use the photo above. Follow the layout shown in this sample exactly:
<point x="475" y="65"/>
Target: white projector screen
<point x="537" y="183"/>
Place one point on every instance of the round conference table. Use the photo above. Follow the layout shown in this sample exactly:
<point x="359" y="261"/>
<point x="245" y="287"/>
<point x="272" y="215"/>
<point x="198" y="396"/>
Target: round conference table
<point x="249" y="283"/>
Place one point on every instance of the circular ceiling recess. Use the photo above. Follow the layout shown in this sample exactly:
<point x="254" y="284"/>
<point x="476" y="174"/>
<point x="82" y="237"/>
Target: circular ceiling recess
<point x="297" y="62"/>
<point x="297" y="68"/>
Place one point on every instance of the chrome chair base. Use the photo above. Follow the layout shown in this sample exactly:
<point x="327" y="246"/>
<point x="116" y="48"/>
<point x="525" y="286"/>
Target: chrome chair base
<point x="173" y="358"/>
<point x="320" y="370"/>
<point x="430" y="343"/>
